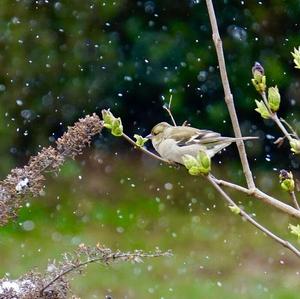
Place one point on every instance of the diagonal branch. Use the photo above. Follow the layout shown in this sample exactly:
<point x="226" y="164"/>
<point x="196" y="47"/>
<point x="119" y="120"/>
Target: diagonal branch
<point x="247" y="217"/>
<point x="261" y="196"/>
<point x="228" y="95"/>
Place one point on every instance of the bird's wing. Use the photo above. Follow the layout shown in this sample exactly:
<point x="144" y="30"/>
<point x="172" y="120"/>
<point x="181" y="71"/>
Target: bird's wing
<point x="188" y="136"/>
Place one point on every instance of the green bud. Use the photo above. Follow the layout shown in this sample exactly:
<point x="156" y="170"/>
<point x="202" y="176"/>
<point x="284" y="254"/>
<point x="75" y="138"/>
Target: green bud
<point x="258" y="70"/>
<point x="295" y="230"/>
<point x="189" y="161"/>
<point x="274" y="98"/>
<point x="108" y="118"/>
<point x="286" y="180"/>
<point x="117" y="127"/>
<point x="204" y="161"/>
<point x="235" y="209"/>
<point x="262" y="109"/>
<point x="296" y="55"/>
<point x="195" y="170"/>
<point x="288" y="185"/>
<point x="295" y="145"/>
<point x="140" y="140"/>
<point x="199" y="165"/>
<point x="259" y="78"/>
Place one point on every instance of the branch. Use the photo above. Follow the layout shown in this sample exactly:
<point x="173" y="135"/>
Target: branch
<point x="144" y="150"/>
<point x="263" y="197"/>
<point x="228" y="95"/>
<point x="251" y="220"/>
<point x="275" y="118"/>
<point x="98" y="254"/>
<point x="294" y="199"/>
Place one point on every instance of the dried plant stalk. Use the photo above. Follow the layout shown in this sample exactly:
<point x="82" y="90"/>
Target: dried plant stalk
<point x="54" y="283"/>
<point x="29" y="180"/>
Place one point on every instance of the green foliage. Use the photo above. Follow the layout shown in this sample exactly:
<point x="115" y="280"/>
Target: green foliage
<point x="199" y="165"/>
<point x="60" y="60"/>
<point x="140" y="140"/>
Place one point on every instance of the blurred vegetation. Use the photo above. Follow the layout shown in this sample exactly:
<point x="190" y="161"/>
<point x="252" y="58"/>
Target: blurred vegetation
<point x="120" y="204"/>
<point x="63" y="59"/>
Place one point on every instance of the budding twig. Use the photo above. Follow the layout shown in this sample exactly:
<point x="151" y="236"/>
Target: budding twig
<point x="144" y="150"/>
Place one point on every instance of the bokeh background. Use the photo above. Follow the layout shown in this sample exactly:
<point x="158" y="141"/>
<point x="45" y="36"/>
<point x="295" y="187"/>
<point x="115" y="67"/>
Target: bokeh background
<point x="60" y="60"/>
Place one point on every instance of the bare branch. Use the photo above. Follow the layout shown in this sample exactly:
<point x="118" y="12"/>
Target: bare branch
<point x="247" y="217"/>
<point x="295" y="201"/>
<point x="144" y="150"/>
<point x="169" y="111"/>
<point x="263" y="197"/>
<point x="228" y="95"/>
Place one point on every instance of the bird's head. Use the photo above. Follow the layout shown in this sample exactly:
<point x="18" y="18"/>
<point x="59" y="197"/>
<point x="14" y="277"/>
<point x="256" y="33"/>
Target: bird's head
<point x="157" y="133"/>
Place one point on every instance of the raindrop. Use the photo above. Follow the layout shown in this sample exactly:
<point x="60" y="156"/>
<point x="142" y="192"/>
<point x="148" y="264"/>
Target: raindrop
<point x="28" y="225"/>
<point x="127" y="78"/>
<point x="19" y="102"/>
<point x="202" y="76"/>
<point x="168" y="186"/>
<point x="237" y="33"/>
<point x="149" y="7"/>
<point x="120" y="229"/>
<point x="27" y="114"/>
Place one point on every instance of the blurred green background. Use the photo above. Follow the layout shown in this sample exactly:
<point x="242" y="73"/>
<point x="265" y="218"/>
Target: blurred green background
<point x="61" y="60"/>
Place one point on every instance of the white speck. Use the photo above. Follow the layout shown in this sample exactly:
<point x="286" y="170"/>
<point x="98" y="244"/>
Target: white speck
<point x="168" y="186"/>
<point x="22" y="184"/>
<point x="28" y="225"/>
<point x="19" y="102"/>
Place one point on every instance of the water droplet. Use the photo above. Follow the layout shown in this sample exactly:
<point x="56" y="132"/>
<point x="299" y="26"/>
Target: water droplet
<point x="237" y="33"/>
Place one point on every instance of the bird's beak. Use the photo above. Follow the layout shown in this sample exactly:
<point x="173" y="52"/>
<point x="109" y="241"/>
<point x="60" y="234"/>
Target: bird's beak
<point x="149" y="136"/>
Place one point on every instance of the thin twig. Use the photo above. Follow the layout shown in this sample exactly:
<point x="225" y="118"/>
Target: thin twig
<point x="295" y="201"/>
<point x="275" y="118"/>
<point x="281" y="127"/>
<point x="247" y="217"/>
<point x="228" y="95"/>
<point x="261" y="196"/>
<point x="294" y="133"/>
<point x="144" y="150"/>
<point x="169" y="111"/>
<point x="113" y="256"/>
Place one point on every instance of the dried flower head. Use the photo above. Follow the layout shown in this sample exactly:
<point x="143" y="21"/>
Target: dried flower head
<point x="29" y="180"/>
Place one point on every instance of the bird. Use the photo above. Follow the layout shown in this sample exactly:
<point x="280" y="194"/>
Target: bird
<point x="173" y="142"/>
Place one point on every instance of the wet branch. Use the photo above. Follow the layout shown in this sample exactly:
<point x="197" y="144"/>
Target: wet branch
<point x="228" y="95"/>
<point x="246" y="216"/>
<point x="261" y="196"/>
